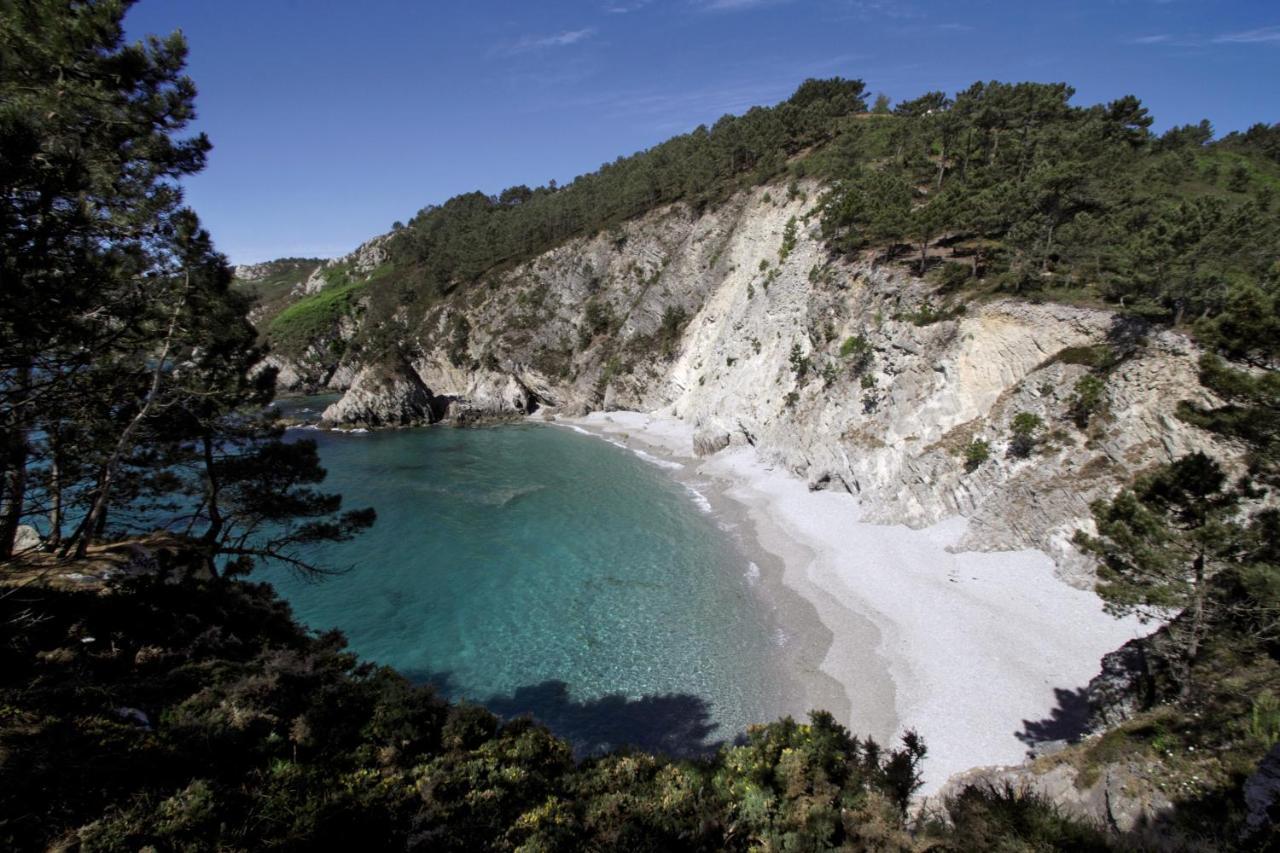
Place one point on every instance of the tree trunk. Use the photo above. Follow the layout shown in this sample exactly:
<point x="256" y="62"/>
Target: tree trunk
<point x="95" y="521"/>
<point x="1197" y="624"/>
<point x="1048" y="247"/>
<point x="216" y="523"/>
<point x="55" y="491"/>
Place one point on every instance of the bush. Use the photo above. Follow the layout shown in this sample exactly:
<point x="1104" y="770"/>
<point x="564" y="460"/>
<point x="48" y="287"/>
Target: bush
<point x="1025" y="428"/>
<point x="1089" y="399"/>
<point x="976" y="453"/>
<point x="799" y="363"/>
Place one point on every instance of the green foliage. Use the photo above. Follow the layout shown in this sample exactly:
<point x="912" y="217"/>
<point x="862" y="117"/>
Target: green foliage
<point x="928" y="314"/>
<point x="1264" y="719"/>
<point x="1025" y="429"/>
<point x="976" y="453"/>
<point x="1161" y="542"/>
<point x="788" y="240"/>
<point x="314" y="317"/>
<point x="459" y="241"/>
<point x="1004" y="818"/>
<point x="279" y="278"/>
<point x="1088" y="399"/>
<point x="1051" y="196"/>
<point x="856" y="347"/>
<point x="262" y="735"/>
<point x="857" y="350"/>
<point x="800" y="363"/>
<point x="1099" y="357"/>
<point x="597" y="320"/>
<point x="674" y="320"/>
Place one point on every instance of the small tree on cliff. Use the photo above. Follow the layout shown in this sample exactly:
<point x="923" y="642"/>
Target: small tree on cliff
<point x="1161" y="542"/>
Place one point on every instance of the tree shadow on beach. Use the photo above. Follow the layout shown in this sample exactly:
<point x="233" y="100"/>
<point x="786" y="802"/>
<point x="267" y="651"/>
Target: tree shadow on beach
<point x="1068" y="721"/>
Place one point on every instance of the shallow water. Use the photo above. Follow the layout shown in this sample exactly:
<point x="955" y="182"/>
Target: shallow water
<point x="537" y="570"/>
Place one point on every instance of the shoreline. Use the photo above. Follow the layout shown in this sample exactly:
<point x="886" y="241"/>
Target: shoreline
<point x="965" y="648"/>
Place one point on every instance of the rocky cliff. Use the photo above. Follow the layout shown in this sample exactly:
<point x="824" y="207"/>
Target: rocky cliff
<point x="854" y="374"/>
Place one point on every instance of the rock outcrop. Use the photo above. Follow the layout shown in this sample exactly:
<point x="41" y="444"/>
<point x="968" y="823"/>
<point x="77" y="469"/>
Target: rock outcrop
<point x="385" y="396"/>
<point x="849" y="373"/>
<point x="1125" y="797"/>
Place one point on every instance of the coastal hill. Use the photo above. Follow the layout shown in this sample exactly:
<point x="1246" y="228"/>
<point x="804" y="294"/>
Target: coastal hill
<point x="999" y="306"/>
<point x="991" y="307"/>
<point x="870" y="300"/>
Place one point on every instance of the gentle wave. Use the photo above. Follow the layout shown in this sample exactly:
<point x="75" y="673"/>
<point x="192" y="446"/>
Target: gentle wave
<point x="650" y="458"/>
<point x="699" y="498"/>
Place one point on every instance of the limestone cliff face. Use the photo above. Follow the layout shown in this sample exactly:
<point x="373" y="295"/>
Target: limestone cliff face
<point x="734" y="321"/>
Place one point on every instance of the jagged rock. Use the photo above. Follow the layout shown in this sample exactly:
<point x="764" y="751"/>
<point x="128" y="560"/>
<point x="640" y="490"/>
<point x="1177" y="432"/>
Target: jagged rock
<point x="709" y="441"/>
<point x="344" y="376"/>
<point x="27" y="539"/>
<point x="385" y="395"/>
<point x="1124" y="796"/>
<point x="891" y="430"/>
<point x="1123" y="688"/>
<point x="288" y="378"/>
<point x="369" y="256"/>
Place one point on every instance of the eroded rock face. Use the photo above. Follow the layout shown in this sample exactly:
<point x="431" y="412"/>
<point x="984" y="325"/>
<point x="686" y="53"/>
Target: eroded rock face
<point x="705" y="318"/>
<point x="384" y="396"/>
<point x="1123" y="688"/>
<point x="709" y="441"/>
<point x="1123" y="797"/>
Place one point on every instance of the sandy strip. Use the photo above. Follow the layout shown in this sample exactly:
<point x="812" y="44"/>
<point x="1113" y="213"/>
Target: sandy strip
<point x="965" y="648"/>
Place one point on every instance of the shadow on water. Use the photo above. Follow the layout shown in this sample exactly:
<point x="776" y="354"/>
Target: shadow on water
<point x="675" y="724"/>
<point x="1068" y="721"/>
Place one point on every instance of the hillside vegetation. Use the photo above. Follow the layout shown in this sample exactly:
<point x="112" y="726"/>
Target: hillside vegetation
<point x="1003" y="188"/>
<point x="199" y="716"/>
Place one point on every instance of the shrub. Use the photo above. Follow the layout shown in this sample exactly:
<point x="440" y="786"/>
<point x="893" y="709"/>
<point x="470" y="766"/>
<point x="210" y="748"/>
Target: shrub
<point x="788" y="240"/>
<point x="859" y="352"/>
<point x="976" y="452"/>
<point x="1090" y="398"/>
<point x="674" y="319"/>
<point x="1025" y="428"/>
<point x="799" y="362"/>
<point x="1264" y="718"/>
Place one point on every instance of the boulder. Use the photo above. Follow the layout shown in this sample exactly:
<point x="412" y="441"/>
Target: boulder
<point x="707" y="441"/>
<point x="28" y="539"/>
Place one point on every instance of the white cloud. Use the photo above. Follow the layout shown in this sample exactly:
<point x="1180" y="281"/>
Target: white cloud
<point x="737" y="5"/>
<point x="1258" y="36"/>
<point x="625" y="8"/>
<point x="1159" y="38"/>
<point x="564" y="39"/>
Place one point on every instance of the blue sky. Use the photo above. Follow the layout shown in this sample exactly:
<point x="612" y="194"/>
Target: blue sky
<point x="330" y="120"/>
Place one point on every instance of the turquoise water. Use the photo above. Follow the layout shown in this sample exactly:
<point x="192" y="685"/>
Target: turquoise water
<point x="537" y="570"/>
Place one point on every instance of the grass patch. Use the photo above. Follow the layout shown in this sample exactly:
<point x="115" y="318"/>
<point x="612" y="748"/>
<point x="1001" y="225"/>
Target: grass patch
<point x="296" y="327"/>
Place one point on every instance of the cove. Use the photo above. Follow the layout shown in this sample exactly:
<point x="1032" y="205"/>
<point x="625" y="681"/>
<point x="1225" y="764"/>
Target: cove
<point x="538" y="571"/>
